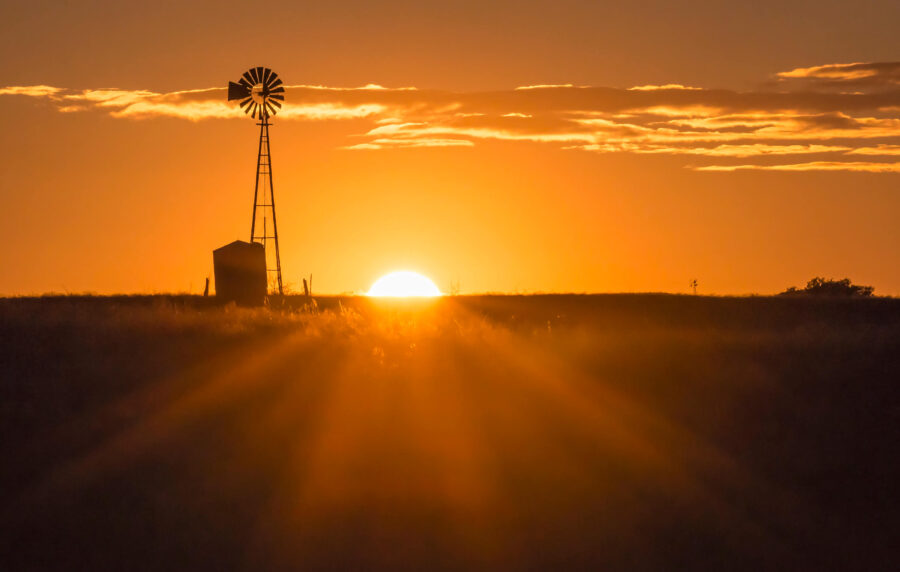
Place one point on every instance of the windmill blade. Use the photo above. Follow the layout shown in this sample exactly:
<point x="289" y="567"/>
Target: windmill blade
<point x="237" y="91"/>
<point x="258" y="105"/>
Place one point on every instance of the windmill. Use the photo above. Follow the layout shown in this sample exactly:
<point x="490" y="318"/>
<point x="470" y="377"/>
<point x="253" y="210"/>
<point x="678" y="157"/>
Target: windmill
<point x="261" y="94"/>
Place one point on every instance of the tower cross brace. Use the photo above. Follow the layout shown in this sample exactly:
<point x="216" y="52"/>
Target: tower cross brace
<point x="264" y="203"/>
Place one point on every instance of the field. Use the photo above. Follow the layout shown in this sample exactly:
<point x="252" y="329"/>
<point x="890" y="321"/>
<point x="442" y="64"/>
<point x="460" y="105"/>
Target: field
<point x="638" y="432"/>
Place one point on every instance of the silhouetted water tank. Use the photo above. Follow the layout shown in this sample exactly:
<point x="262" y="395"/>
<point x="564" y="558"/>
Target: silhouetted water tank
<point x="240" y="269"/>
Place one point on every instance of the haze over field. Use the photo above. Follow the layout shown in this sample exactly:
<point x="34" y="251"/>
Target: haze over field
<point x="551" y="146"/>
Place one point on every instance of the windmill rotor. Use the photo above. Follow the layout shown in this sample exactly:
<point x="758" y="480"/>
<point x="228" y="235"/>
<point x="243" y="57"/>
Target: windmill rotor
<point x="260" y="92"/>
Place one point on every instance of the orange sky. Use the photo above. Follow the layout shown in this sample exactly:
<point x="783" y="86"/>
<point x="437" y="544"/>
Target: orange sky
<point x="123" y="165"/>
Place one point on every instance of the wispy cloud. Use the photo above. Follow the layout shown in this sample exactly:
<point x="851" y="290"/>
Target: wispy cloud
<point x="859" y="167"/>
<point x="884" y="150"/>
<point x="750" y="150"/>
<point x="546" y="86"/>
<point x="666" y="86"/>
<point x="411" y="143"/>
<point x="321" y="103"/>
<point x="832" y="114"/>
<point x="30" y="90"/>
<point x="857" y="75"/>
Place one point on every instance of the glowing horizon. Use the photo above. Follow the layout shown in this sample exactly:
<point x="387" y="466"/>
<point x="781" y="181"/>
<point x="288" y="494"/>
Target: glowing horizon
<point x="404" y="284"/>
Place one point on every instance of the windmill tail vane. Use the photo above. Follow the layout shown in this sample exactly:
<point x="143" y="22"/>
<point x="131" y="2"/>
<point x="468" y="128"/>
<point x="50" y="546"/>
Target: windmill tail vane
<point x="261" y="94"/>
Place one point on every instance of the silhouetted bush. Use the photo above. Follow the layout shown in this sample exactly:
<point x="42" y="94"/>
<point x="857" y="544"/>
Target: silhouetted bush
<point x="821" y="287"/>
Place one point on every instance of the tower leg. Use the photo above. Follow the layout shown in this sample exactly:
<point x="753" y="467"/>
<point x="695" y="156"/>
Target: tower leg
<point x="264" y="204"/>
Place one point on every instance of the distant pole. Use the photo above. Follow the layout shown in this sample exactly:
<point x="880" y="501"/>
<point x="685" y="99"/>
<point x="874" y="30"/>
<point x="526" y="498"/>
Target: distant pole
<point x="694" y="286"/>
<point x="206" y="289"/>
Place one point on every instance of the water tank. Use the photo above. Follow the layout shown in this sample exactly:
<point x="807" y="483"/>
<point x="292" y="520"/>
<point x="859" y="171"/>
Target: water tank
<point x="240" y="271"/>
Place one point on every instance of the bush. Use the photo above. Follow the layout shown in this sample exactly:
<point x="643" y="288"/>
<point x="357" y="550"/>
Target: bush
<point x="821" y="287"/>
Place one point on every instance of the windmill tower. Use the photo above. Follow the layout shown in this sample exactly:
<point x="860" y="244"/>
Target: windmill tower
<point x="261" y="94"/>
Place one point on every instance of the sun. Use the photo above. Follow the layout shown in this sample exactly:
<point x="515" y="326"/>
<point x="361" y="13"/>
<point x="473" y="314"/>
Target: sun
<point x="403" y="284"/>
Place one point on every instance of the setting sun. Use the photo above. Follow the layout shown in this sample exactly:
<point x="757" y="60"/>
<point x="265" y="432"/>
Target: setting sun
<point x="403" y="284"/>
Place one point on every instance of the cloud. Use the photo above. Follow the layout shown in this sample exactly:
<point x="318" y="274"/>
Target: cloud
<point x="546" y="86"/>
<point x="30" y="90"/>
<point x="877" y="150"/>
<point x="832" y="114"/>
<point x="411" y="143"/>
<point x="667" y="86"/>
<point x="368" y="86"/>
<point x="750" y="150"/>
<point x="813" y="166"/>
<point x="832" y="71"/>
<point x="858" y="75"/>
<point x="319" y="103"/>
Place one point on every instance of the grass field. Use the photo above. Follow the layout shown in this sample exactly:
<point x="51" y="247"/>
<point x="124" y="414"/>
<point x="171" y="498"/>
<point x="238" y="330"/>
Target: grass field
<point x="638" y="432"/>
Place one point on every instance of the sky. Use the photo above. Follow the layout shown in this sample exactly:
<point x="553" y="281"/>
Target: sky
<point x="498" y="146"/>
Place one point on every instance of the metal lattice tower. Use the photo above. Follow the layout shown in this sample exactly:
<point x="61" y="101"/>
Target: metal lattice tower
<point x="261" y="94"/>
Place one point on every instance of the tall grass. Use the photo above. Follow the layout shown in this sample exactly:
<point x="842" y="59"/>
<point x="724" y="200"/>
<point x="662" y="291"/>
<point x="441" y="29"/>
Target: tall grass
<point x="632" y="432"/>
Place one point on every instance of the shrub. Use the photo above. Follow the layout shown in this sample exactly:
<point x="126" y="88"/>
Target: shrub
<point x="821" y="287"/>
